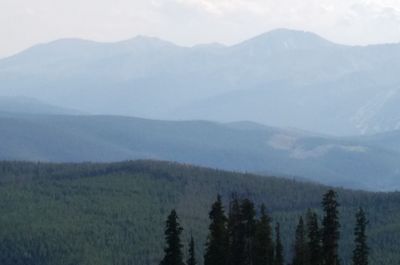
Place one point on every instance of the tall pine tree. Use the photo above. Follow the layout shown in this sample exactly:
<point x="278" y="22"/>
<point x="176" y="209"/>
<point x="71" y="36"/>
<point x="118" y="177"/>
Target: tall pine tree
<point x="248" y="213"/>
<point x="361" y="250"/>
<point x="278" y="260"/>
<point x="263" y="243"/>
<point x="173" y="249"/>
<point x="313" y="239"/>
<point x="300" y="245"/>
<point x="191" y="253"/>
<point x="236" y="234"/>
<point x="216" y="247"/>
<point x="330" y="232"/>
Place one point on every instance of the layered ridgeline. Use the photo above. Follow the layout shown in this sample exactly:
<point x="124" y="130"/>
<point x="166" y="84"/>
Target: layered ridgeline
<point x="370" y="163"/>
<point x="115" y="213"/>
<point x="282" y="78"/>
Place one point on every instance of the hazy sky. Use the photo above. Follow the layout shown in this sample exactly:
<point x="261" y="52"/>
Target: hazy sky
<point x="187" y="22"/>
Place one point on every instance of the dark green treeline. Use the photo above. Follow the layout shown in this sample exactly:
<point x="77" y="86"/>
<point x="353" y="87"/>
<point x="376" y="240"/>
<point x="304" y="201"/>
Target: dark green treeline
<point x="361" y="250"/>
<point x="244" y="236"/>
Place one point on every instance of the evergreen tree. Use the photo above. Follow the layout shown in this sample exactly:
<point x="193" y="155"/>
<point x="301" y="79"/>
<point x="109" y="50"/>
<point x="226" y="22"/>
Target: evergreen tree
<point x="263" y="245"/>
<point x="236" y="234"/>
<point x="173" y="250"/>
<point x="247" y="214"/>
<point x="192" y="254"/>
<point x="300" y="245"/>
<point x="278" y="260"/>
<point x="361" y="250"/>
<point x="216" y="246"/>
<point x="314" y="239"/>
<point x="330" y="232"/>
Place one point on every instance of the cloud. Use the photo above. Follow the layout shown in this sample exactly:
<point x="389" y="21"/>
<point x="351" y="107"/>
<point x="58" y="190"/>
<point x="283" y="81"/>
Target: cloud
<point x="224" y="7"/>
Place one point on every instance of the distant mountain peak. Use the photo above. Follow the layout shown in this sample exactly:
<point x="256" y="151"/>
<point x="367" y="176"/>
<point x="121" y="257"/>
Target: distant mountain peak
<point x="146" y="41"/>
<point x="72" y="41"/>
<point x="287" y="39"/>
<point x="289" y="32"/>
<point x="144" y="38"/>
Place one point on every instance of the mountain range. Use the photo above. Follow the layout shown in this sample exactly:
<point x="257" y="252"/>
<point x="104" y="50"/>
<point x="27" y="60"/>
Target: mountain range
<point x="368" y="162"/>
<point x="283" y="78"/>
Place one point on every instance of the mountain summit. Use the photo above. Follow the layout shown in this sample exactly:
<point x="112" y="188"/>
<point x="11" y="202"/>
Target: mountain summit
<point x="142" y="41"/>
<point x="287" y="39"/>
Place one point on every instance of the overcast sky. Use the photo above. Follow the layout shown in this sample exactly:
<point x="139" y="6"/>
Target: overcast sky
<point x="24" y="23"/>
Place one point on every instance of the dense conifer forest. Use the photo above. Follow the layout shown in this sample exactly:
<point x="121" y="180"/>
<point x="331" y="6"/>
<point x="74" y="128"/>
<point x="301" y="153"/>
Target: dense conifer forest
<point x="240" y="238"/>
<point x="115" y="214"/>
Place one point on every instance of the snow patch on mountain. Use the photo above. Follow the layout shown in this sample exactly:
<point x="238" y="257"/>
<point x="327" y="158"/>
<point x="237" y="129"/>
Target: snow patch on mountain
<point x="365" y="117"/>
<point x="282" y="142"/>
<point x="319" y="151"/>
<point x="297" y="151"/>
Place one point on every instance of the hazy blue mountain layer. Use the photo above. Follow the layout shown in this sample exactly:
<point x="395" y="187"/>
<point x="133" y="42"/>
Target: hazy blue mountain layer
<point x="367" y="163"/>
<point x="282" y="78"/>
<point x="27" y="105"/>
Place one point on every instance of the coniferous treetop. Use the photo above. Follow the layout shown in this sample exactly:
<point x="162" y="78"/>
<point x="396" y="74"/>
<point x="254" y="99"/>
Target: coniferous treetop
<point x="300" y="245"/>
<point x="330" y="231"/>
<point x="361" y="250"/>
<point x="173" y="249"/>
<point x="191" y="253"/>
<point x="279" y="260"/>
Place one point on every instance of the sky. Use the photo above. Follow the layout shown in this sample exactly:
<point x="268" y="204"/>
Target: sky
<point x="24" y="23"/>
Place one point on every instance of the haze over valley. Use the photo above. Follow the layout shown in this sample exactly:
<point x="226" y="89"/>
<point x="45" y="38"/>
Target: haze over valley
<point x="40" y="132"/>
<point x="285" y="102"/>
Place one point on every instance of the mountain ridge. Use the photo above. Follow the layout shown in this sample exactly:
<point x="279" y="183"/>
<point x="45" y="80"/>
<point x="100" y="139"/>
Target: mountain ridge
<point x="244" y="147"/>
<point x="265" y="36"/>
<point x="276" y="35"/>
<point x="137" y="38"/>
<point x="327" y="88"/>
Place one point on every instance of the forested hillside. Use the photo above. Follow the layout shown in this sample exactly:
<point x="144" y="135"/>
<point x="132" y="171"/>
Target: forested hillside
<point x="242" y="146"/>
<point x="114" y="213"/>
